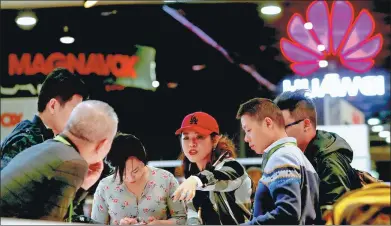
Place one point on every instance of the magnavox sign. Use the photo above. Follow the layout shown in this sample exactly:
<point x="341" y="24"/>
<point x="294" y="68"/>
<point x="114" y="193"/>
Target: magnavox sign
<point x="97" y="63"/>
<point x="104" y="71"/>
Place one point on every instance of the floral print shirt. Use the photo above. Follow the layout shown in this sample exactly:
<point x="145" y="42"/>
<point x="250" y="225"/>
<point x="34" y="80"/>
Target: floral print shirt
<point x="113" y="201"/>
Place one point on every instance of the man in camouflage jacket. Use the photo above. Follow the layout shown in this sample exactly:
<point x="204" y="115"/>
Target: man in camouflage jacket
<point x="26" y="134"/>
<point x="60" y="93"/>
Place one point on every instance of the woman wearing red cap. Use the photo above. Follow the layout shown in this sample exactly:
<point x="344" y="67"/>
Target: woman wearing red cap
<point x="217" y="189"/>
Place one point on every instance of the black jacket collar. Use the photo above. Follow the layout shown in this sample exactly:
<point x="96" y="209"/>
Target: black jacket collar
<point x="38" y="123"/>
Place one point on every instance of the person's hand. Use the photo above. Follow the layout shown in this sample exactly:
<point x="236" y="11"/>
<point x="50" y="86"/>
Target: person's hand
<point x="128" y="221"/>
<point x="94" y="172"/>
<point x="186" y="191"/>
<point x="152" y="221"/>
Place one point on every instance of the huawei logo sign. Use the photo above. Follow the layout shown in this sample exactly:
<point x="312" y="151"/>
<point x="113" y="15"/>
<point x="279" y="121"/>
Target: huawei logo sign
<point x="326" y="33"/>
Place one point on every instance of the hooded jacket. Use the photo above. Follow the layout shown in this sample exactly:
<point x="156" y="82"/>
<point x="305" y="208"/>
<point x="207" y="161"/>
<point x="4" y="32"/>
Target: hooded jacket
<point x="331" y="157"/>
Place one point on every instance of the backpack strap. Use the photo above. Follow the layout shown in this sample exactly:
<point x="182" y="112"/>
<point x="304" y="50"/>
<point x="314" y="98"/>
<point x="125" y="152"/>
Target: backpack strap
<point x="266" y="156"/>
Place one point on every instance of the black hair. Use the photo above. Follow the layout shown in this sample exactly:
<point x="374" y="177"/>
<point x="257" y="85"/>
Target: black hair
<point x="299" y="103"/>
<point x="61" y="84"/>
<point x="260" y="108"/>
<point x="125" y="146"/>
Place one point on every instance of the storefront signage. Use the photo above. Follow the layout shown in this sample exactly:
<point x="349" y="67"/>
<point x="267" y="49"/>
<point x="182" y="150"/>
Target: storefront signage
<point x="325" y="34"/>
<point x="119" y="65"/>
<point x="337" y="86"/>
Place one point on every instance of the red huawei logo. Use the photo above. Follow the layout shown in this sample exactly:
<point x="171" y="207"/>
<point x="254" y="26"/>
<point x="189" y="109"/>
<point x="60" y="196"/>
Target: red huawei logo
<point x="334" y="33"/>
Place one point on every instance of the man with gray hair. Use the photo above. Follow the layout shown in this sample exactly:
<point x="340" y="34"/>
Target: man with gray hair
<point x="41" y="181"/>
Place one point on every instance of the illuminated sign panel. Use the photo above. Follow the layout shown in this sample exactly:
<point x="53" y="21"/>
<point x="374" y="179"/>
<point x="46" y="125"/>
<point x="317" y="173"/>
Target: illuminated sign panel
<point x="118" y="65"/>
<point x="327" y="33"/>
<point x="336" y="86"/>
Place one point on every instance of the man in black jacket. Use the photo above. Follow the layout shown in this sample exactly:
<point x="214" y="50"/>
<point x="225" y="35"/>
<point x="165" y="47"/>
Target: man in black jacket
<point x="60" y="93"/>
<point x="330" y="154"/>
<point x="41" y="181"/>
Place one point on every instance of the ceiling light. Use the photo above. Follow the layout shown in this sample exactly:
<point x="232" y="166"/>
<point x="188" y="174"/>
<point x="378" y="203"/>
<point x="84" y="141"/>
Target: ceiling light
<point x="270" y="10"/>
<point x="377" y="128"/>
<point x="26" y="20"/>
<point x="198" y="67"/>
<point x="308" y="26"/>
<point x="155" y="84"/>
<point x="373" y="121"/>
<point x="262" y="47"/>
<point x="323" y="63"/>
<point x="107" y="13"/>
<point x="172" y="85"/>
<point x="388" y="139"/>
<point x="384" y="134"/>
<point x="67" y="40"/>
<point x="89" y="4"/>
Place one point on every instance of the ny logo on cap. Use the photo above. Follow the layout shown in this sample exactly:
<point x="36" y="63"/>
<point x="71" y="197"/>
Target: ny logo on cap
<point x="193" y="120"/>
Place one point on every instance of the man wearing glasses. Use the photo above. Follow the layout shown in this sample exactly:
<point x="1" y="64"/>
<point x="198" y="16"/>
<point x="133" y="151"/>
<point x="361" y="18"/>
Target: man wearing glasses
<point x="330" y="154"/>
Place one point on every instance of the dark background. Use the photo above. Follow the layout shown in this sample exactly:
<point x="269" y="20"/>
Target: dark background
<point x="154" y="116"/>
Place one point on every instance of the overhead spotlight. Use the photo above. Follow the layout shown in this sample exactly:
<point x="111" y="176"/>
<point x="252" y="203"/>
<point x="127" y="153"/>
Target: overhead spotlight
<point x="89" y="4"/>
<point x="67" y="39"/>
<point x="26" y="20"/>
<point x="308" y="26"/>
<point x="198" y="67"/>
<point x="271" y="10"/>
<point x="108" y="13"/>
<point x="155" y="84"/>
<point x="172" y="85"/>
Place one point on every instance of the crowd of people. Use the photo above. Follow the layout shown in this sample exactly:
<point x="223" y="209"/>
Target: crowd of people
<point x="50" y="164"/>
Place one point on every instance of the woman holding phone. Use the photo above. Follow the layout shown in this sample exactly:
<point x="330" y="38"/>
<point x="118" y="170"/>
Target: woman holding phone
<point x="135" y="193"/>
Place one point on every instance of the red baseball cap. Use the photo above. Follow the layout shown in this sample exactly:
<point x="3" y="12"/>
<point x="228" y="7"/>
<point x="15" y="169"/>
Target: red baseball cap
<point x="201" y="122"/>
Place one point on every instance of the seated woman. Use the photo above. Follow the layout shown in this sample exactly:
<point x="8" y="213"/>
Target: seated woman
<point x="219" y="184"/>
<point x="135" y="193"/>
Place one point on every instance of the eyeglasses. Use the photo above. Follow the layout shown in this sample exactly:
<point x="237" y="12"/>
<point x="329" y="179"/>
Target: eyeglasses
<point x="294" y="123"/>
